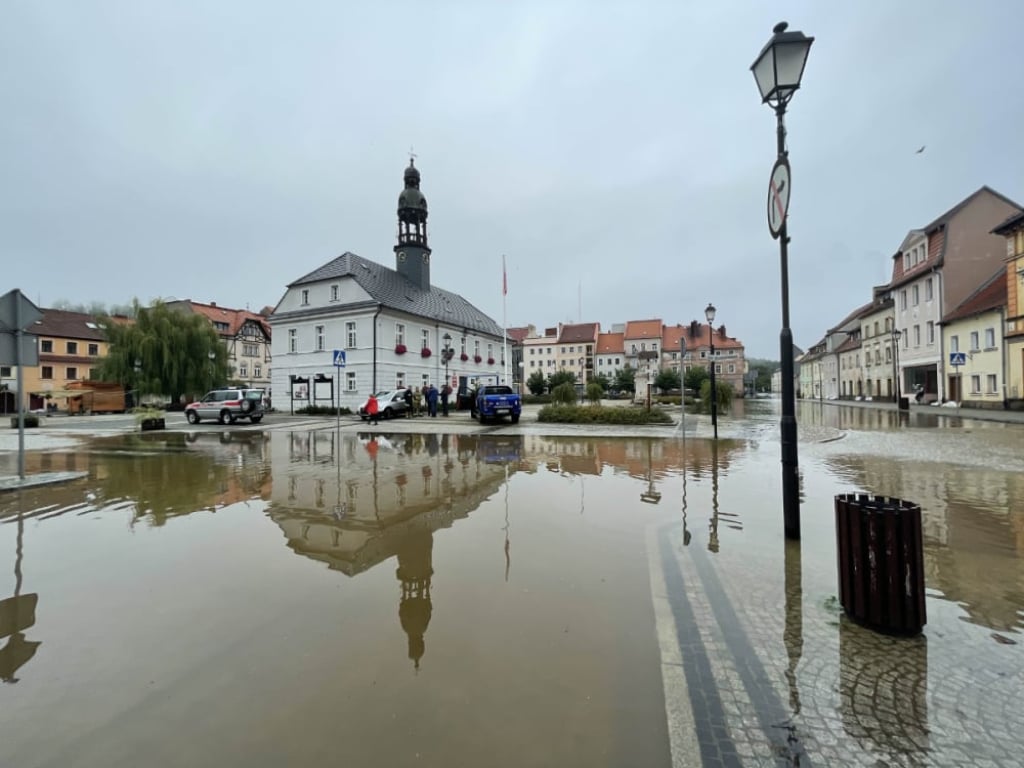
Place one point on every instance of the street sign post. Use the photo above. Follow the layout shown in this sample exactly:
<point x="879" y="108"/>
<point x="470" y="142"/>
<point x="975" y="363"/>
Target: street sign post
<point x="16" y="314"/>
<point x="956" y="359"/>
<point x="338" y="358"/>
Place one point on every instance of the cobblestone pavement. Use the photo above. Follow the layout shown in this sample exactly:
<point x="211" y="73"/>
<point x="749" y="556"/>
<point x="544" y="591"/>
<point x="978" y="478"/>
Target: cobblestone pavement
<point x="758" y="673"/>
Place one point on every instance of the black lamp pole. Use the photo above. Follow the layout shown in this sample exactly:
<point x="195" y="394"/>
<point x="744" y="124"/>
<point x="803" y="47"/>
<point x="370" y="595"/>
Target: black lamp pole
<point x="447" y="354"/>
<point x="709" y="313"/>
<point x="896" y="334"/>
<point x="778" y="71"/>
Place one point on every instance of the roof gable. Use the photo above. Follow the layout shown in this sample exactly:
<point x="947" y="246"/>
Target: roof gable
<point x="581" y="333"/>
<point x="610" y="344"/>
<point x="643" y="329"/>
<point x="62" y="324"/>
<point x="990" y="296"/>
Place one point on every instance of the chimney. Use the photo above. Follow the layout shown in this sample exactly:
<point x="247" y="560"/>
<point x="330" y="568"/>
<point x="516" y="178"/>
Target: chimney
<point x="213" y="303"/>
<point x="693" y="329"/>
<point x="721" y="331"/>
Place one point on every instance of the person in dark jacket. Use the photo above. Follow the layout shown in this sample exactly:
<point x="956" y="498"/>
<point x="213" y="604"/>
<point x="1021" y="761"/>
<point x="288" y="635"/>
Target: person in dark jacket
<point x="446" y="392"/>
<point x="408" y="402"/>
<point x="432" y="400"/>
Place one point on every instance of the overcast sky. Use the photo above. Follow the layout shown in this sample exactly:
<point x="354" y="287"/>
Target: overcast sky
<point x="618" y="153"/>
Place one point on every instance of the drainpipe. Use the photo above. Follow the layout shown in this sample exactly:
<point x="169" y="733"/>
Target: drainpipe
<point x="380" y="308"/>
<point x="1004" y="372"/>
<point x="942" y="342"/>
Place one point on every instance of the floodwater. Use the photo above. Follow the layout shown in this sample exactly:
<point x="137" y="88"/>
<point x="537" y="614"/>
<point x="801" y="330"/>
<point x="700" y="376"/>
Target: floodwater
<point x="320" y="597"/>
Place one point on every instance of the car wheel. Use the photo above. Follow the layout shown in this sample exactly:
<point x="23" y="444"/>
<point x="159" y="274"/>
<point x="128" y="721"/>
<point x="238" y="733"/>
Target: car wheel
<point x="226" y="417"/>
<point x="515" y="418"/>
<point x="387" y="414"/>
<point x="193" y="417"/>
<point x="255" y="419"/>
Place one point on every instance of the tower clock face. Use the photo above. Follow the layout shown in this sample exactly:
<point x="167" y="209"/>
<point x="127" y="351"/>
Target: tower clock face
<point x="401" y="255"/>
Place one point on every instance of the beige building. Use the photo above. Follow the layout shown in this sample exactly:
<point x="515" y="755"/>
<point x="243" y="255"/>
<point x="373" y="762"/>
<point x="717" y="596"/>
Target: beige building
<point x="973" y="331"/>
<point x="878" y="351"/>
<point x="1013" y="230"/>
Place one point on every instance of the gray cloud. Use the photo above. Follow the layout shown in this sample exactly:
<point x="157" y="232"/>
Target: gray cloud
<point x="613" y="149"/>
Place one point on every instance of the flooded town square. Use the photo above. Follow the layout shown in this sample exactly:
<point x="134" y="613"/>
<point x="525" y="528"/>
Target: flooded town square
<point x="303" y="593"/>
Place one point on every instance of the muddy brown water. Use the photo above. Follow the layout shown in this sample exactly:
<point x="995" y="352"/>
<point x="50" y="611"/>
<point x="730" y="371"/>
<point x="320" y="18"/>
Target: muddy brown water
<point x="320" y="598"/>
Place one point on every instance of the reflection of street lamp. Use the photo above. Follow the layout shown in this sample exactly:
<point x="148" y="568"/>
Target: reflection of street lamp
<point x="650" y="496"/>
<point x="778" y="70"/>
<point x="896" y="334"/>
<point x="709" y="313"/>
<point x="138" y="382"/>
<point x="713" y="527"/>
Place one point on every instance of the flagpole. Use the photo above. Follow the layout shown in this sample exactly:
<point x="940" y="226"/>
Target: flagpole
<point x="504" y="317"/>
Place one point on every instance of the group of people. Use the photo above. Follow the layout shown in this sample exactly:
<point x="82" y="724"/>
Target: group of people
<point x="414" y="401"/>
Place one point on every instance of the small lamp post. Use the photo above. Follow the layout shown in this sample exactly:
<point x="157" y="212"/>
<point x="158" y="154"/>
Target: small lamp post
<point x="213" y="356"/>
<point x="709" y="313"/>
<point x="138" y="382"/>
<point x="897" y="334"/>
<point x="446" y="354"/>
<point x="778" y="70"/>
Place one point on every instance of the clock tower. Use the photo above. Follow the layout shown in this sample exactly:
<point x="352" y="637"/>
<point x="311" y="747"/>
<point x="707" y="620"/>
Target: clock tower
<point x="412" y="254"/>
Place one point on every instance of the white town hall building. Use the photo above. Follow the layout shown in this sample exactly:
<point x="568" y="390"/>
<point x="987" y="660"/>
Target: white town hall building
<point x="391" y="324"/>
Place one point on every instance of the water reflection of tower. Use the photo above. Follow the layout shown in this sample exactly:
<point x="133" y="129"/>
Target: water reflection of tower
<point x="415" y="567"/>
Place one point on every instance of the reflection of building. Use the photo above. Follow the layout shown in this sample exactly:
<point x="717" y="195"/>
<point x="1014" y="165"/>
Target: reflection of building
<point x="354" y="501"/>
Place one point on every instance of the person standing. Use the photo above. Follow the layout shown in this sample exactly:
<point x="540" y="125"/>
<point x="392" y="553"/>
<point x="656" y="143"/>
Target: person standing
<point x="417" y="402"/>
<point x="407" y="397"/>
<point x="371" y="409"/>
<point x="446" y="392"/>
<point x="432" y="400"/>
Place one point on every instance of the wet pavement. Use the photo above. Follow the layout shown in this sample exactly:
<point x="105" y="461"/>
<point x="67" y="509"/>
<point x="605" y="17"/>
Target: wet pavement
<point x="302" y="595"/>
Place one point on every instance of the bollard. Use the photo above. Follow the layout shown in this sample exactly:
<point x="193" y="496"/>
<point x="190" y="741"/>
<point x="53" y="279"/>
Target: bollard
<point x="881" y="562"/>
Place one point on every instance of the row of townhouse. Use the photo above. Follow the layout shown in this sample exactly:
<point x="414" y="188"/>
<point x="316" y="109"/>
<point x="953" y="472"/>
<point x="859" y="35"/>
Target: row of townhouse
<point x="646" y="346"/>
<point x="72" y="344"/>
<point x="949" y="324"/>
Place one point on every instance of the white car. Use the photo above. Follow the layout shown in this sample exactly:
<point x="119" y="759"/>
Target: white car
<point x="227" y="405"/>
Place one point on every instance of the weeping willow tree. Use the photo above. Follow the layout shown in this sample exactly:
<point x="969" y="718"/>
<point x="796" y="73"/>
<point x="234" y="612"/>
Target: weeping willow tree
<point x="164" y="352"/>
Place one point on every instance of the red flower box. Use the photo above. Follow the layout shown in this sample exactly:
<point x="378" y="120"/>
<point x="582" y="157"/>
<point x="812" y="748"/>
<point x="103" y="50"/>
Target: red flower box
<point x="400" y="349"/>
<point x="425" y="352"/>
<point x="477" y="358"/>
<point x="490" y="361"/>
<point x="464" y="357"/>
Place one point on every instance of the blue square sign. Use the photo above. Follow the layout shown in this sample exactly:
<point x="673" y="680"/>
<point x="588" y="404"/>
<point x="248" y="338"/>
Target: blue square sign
<point x="957" y="358"/>
<point x="339" y="358"/>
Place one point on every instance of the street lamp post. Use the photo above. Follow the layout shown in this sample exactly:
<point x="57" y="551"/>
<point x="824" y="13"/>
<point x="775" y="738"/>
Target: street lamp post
<point x="778" y="70"/>
<point x="446" y="354"/>
<point x="213" y="356"/>
<point x="709" y="313"/>
<point x="682" y="383"/>
<point x="896" y="334"/>
<point x="138" y="381"/>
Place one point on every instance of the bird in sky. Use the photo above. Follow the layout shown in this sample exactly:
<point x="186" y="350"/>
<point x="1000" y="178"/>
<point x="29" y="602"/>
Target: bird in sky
<point x="919" y="151"/>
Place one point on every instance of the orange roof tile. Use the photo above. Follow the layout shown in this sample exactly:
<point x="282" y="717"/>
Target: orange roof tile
<point x="643" y="329"/>
<point x="610" y="344"/>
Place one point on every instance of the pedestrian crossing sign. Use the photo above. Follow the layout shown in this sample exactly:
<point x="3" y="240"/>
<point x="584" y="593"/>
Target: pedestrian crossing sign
<point x="339" y="358"/>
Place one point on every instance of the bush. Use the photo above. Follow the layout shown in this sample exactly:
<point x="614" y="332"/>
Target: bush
<point x="724" y="395"/>
<point x="324" y="410"/>
<point x="594" y="392"/>
<point x="564" y="393"/>
<point x="669" y="399"/>
<point x="536" y="399"/>
<point x="597" y="414"/>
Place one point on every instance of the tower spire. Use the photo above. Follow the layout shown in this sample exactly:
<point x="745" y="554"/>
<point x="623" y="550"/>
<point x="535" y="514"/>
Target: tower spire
<point x="412" y="253"/>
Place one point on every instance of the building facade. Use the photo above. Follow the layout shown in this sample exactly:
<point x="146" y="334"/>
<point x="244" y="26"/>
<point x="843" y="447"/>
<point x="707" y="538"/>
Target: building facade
<point x="390" y="325"/>
<point x="245" y="336"/>
<point x="1012" y="230"/>
<point x="975" y="329"/>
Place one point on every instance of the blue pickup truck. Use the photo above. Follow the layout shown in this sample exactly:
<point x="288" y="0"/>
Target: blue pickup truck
<point x="495" y="402"/>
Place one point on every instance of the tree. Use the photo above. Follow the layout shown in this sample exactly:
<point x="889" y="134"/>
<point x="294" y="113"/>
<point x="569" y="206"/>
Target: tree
<point x="172" y="349"/>
<point x="764" y="370"/>
<point x="594" y="392"/>
<point x="564" y="393"/>
<point x="536" y="383"/>
<point x="667" y="379"/>
<point x="94" y="308"/>
<point x="695" y="377"/>
<point x="625" y="379"/>
<point x="724" y="395"/>
<point x="560" y="377"/>
<point x="602" y="380"/>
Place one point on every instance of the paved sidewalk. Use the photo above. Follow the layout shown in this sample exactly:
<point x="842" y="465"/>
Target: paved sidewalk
<point x="981" y="414"/>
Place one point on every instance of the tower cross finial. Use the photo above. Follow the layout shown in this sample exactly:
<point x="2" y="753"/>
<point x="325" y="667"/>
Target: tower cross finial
<point x="412" y="156"/>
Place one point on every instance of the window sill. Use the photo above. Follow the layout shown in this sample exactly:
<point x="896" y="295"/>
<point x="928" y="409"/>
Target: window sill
<point x="991" y="349"/>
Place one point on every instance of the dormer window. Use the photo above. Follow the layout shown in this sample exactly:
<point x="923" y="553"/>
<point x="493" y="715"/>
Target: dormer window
<point x="305" y="297"/>
<point x="334" y="292"/>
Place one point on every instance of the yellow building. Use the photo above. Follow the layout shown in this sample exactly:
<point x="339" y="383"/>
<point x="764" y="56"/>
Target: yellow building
<point x="973" y="333"/>
<point x="1013" y="230"/>
<point x="70" y="347"/>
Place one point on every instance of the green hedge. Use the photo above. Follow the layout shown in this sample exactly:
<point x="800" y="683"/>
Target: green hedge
<point x="596" y="414"/>
<point x="324" y="410"/>
<point x="536" y="399"/>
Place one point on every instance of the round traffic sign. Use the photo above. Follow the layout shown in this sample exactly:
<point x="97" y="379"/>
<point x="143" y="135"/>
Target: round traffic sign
<point x="778" y="197"/>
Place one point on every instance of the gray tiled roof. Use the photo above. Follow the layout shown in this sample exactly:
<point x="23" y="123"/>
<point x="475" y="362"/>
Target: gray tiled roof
<point x="394" y="291"/>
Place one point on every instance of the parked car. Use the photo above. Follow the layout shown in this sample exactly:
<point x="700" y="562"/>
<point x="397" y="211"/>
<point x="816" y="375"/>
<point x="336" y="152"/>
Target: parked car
<point x="389" y="405"/>
<point x="227" y="405"/>
<point x="496" y="402"/>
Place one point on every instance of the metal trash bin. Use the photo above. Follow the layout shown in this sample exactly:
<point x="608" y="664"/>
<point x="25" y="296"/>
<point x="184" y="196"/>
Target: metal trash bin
<point x="904" y="404"/>
<point x="881" y="562"/>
